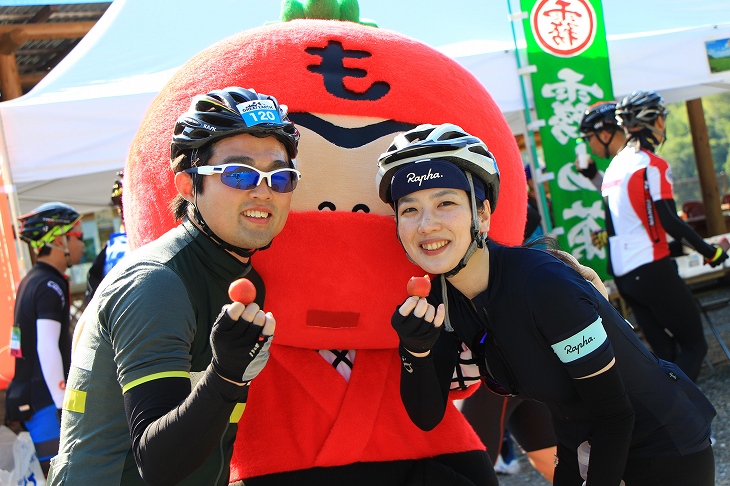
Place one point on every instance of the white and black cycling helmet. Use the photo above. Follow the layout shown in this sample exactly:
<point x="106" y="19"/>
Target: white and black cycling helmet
<point x="639" y="110"/>
<point x="637" y="113"/>
<point x="444" y="142"/>
<point x="433" y="156"/>
<point x="231" y="111"/>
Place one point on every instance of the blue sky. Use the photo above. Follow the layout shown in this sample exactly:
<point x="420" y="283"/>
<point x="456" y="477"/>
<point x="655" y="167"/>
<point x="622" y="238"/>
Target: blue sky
<point x="448" y="21"/>
<point x="719" y="48"/>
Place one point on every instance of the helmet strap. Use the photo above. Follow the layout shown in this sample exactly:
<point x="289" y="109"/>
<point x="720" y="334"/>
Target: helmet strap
<point x="478" y="239"/>
<point x="66" y="251"/>
<point x="220" y="243"/>
<point x="647" y="136"/>
<point x="445" y="299"/>
<point x="607" y="154"/>
<point x="63" y="248"/>
<point x="652" y="138"/>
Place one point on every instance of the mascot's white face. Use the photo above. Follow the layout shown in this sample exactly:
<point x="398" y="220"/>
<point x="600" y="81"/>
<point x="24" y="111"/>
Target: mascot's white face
<point x="340" y="178"/>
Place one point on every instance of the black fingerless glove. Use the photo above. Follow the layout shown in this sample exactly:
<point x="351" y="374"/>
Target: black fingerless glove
<point x="717" y="259"/>
<point x="416" y="333"/>
<point x="239" y="350"/>
<point x="590" y="171"/>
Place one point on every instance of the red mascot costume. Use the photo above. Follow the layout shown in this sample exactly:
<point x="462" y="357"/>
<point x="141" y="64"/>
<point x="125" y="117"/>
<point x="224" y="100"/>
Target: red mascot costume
<point x="337" y="271"/>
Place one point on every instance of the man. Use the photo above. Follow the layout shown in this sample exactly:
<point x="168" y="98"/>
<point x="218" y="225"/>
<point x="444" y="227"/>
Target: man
<point x="115" y="248"/>
<point x="600" y="130"/>
<point x="640" y="211"/>
<point x="41" y="334"/>
<point x="159" y="379"/>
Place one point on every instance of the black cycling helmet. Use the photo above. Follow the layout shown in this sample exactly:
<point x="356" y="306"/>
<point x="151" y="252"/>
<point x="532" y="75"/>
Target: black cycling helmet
<point x="42" y="225"/>
<point x="444" y="142"/>
<point x="230" y="111"/>
<point x="439" y="144"/>
<point x="599" y="116"/>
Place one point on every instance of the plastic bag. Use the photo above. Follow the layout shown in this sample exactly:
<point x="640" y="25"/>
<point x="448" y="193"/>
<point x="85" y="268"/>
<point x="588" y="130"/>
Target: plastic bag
<point x="26" y="467"/>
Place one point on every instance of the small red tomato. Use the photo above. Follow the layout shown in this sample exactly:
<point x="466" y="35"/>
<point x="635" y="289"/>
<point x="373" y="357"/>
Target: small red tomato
<point x="420" y="286"/>
<point x="242" y="290"/>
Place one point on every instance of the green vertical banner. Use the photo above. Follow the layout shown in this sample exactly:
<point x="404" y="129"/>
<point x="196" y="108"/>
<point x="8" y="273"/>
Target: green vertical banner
<point x="566" y="44"/>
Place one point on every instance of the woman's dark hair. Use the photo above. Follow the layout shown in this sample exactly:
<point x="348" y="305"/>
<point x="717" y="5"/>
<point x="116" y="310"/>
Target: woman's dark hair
<point x="551" y="246"/>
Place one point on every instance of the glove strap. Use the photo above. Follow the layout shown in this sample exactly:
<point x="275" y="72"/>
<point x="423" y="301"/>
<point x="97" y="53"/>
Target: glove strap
<point x="237" y="383"/>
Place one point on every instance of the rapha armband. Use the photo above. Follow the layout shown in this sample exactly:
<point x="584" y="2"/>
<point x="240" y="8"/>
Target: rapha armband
<point x="581" y="343"/>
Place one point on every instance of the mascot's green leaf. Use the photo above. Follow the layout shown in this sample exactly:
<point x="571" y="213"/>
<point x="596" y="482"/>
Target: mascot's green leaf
<point x="291" y="9"/>
<point x="350" y="10"/>
<point x="322" y="9"/>
<point x="346" y="10"/>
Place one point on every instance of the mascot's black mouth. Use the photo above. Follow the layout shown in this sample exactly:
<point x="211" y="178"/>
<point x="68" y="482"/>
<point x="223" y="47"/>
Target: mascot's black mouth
<point x="332" y="319"/>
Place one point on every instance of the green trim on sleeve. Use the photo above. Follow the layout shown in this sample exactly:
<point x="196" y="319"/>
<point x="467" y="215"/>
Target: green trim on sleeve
<point x="74" y="400"/>
<point x="237" y="412"/>
<point x="155" y="376"/>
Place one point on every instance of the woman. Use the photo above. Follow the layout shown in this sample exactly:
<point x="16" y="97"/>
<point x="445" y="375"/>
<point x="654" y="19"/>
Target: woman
<point x="640" y="212"/>
<point x="541" y="331"/>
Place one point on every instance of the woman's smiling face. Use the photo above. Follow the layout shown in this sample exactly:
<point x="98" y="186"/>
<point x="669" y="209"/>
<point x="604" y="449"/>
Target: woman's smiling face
<point x="434" y="227"/>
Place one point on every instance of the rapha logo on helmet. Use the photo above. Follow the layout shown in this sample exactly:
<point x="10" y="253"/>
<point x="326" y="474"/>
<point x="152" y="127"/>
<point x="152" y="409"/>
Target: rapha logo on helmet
<point x="430" y="175"/>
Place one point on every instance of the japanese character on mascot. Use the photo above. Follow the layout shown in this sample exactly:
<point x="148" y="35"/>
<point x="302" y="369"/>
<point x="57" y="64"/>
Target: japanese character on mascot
<point x="336" y="272"/>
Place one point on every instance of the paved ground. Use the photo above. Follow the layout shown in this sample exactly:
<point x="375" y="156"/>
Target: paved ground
<point x="714" y="382"/>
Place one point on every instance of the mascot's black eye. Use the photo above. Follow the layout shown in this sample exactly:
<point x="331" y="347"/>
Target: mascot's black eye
<point x="361" y="207"/>
<point x="326" y="205"/>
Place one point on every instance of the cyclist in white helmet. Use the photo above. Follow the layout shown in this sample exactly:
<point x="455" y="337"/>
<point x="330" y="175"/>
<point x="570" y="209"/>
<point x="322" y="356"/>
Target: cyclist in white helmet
<point x="537" y="328"/>
<point x="640" y="213"/>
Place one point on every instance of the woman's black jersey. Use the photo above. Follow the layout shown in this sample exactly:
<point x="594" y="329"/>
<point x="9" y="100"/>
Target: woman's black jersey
<point x="542" y="326"/>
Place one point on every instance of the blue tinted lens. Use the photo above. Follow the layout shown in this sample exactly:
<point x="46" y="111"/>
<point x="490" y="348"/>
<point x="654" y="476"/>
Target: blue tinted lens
<point x="283" y="181"/>
<point x="246" y="179"/>
<point x="240" y="178"/>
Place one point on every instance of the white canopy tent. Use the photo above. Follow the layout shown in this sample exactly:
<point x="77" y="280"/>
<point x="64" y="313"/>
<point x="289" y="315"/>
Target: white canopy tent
<point x="66" y="138"/>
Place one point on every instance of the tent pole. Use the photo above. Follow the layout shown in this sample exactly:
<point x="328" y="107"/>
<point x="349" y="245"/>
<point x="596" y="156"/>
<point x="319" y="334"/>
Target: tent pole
<point x="528" y="137"/>
<point x="9" y="189"/>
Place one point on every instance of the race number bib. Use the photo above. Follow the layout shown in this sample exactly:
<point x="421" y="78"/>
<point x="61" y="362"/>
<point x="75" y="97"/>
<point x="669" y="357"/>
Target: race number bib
<point x="259" y="111"/>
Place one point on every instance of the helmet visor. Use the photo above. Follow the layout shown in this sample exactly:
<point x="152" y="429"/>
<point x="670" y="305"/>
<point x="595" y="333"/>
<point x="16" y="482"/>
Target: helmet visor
<point x="429" y="174"/>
